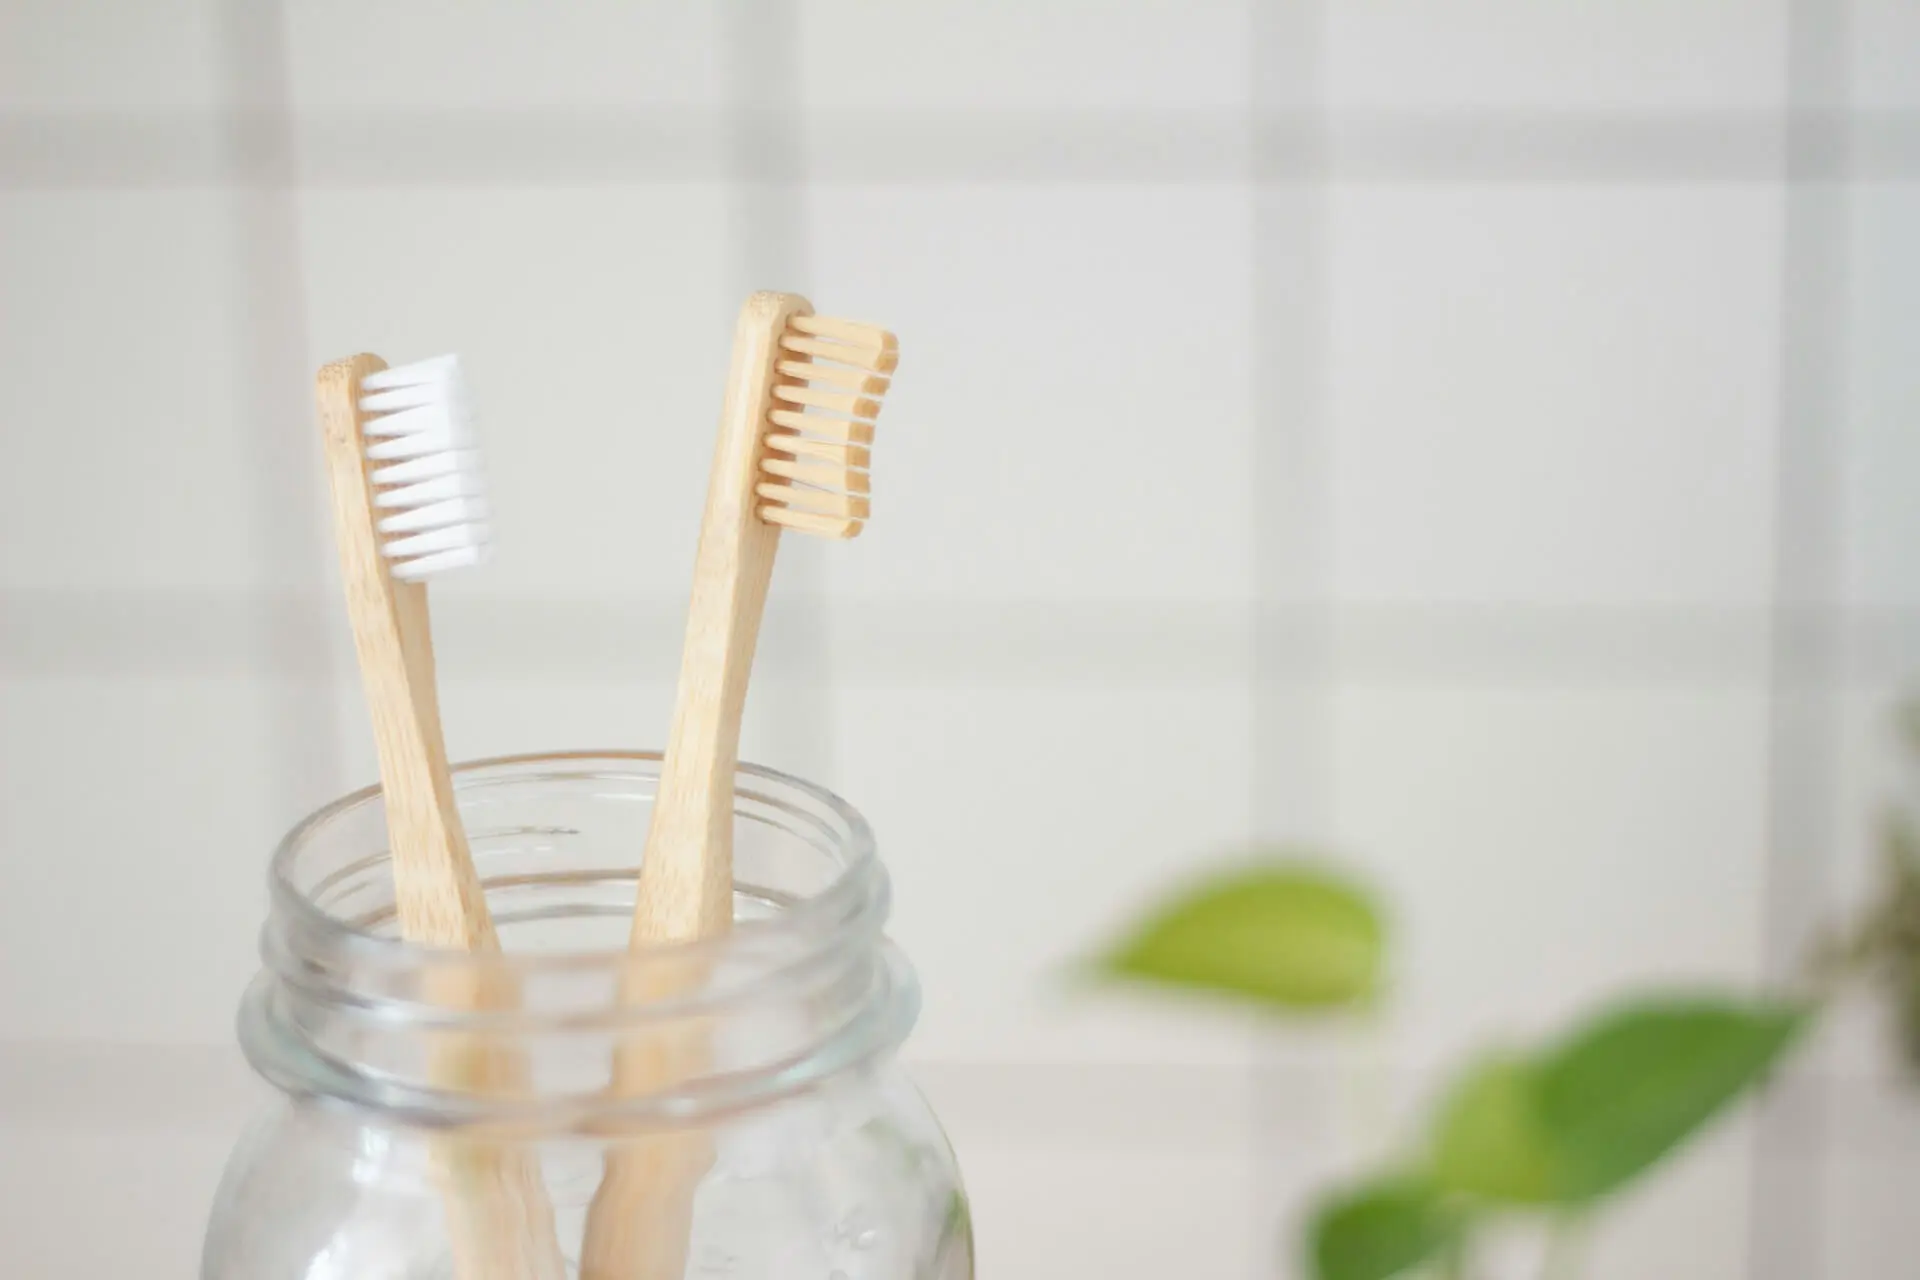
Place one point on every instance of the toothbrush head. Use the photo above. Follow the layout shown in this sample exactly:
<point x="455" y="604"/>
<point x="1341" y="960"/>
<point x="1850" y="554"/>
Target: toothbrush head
<point x="829" y="378"/>
<point x="429" y="492"/>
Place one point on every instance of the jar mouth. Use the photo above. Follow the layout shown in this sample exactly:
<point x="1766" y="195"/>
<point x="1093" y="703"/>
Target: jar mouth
<point x="841" y="899"/>
<point x="803" y="986"/>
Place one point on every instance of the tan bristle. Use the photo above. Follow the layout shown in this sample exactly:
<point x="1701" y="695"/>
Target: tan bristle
<point x="807" y="522"/>
<point x="819" y="474"/>
<point x="848" y="331"/>
<point x="828" y="392"/>
<point x="817" y="424"/>
<point x="819" y="501"/>
<point x="843" y="455"/>
<point x="834" y="401"/>
<point x="866" y="384"/>
<point x="879" y="359"/>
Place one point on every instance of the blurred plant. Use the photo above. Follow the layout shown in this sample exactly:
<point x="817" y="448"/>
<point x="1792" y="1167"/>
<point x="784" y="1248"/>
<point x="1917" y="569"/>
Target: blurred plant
<point x="1549" y="1134"/>
<point x="1882" y="948"/>
<point x="1555" y="1132"/>
<point x="1286" y="934"/>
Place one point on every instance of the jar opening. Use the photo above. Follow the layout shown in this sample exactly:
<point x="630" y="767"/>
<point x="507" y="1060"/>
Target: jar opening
<point x="805" y="985"/>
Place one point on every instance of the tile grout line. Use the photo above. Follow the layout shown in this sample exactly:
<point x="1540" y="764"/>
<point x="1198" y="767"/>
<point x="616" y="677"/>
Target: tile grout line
<point x="453" y="148"/>
<point x="131" y="634"/>
<point x="1172" y="1104"/>
<point x="1291" y="635"/>
<point x="766" y="180"/>
<point x="1792" y="1144"/>
<point x="271" y="316"/>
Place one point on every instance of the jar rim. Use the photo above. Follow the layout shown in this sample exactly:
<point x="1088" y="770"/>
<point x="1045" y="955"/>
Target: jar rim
<point x="844" y="898"/>
<point x="342" y="1010"/>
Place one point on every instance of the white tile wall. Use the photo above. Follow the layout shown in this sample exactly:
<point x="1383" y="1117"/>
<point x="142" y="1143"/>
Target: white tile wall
<point x="1547" y="849"/>
<point x="440" y="55"/>
<point x="138" y="815"/>
<point x="96" y="56"/>
<point x="1884" y="41"/>
<point x="1879" y="445"/>
<point x="159" y="1176"/>
<point x="1559" y="395"/>
<point x="495" y="716"/>
<point x="1004" y="55"/>
<point x="121" y="393"/>
<point x="1055" y="1153"/>
<point x="1539" y="430"/>
<point x="109" y="1157"/>
<point x="1053" y="1212"/>
<point x="1028" y="452"/>
<point x="1694" y="55"/>
<point x="1023" y="827"/>
<point x="1584" y="841"/>
<point x="1867" y="1197"/>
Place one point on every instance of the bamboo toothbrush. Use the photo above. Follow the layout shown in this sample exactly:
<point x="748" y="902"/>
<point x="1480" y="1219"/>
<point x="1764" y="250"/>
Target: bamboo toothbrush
<point x="408" y="504"/>
<point x="795" y="427"/>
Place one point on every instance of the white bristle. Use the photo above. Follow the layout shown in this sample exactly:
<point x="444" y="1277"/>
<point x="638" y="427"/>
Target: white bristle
<point x="420" y="425"/>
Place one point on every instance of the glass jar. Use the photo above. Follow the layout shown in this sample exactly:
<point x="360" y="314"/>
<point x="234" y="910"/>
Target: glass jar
<point x="816" y="1159"/>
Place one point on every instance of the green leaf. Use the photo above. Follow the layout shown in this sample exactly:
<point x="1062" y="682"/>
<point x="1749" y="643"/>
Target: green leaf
<point x="1383" y="1230"/>
<point x="1489" y="1141"/>
<point x="1292" y="936"/>
<point x="1622" y="1093"/>
<point x="1586" y="1117"/>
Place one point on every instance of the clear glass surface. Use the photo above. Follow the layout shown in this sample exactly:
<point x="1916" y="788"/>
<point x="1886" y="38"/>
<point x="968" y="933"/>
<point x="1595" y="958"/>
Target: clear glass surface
<point x="821" y="1160"/>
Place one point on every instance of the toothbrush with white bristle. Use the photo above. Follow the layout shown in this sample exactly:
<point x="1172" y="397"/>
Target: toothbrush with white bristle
<point x="409" y="503"/>
<point x="423" y="427"/>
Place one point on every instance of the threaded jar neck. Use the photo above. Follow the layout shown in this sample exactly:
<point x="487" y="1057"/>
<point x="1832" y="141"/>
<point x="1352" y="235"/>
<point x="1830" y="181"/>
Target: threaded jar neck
<point x="805" y="986"/>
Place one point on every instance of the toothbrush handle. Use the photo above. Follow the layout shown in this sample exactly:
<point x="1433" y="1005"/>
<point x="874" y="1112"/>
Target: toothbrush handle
<point x="686" y="877"/>
<point x="499" y="1220"/>
<point x="639" y="1226"/>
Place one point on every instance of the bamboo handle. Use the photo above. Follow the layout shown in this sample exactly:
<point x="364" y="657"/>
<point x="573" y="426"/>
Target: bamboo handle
<point x="686" y="877"/>
<point x="640" y="1222"/>
<point x="497" y="1210"/>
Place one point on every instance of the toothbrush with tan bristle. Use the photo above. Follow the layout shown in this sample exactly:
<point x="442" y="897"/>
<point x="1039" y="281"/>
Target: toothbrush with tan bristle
<point x="802" y="393"/>
<point x="408" y="504"/>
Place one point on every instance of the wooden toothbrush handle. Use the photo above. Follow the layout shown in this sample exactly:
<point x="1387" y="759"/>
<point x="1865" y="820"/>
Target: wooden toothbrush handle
<point x="500" y="1222"/>
<point x="437" y="892"/>
<point x="499" y="1219"/>
<point x="640" y="1222"/>
<point x="686" y="876"/>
